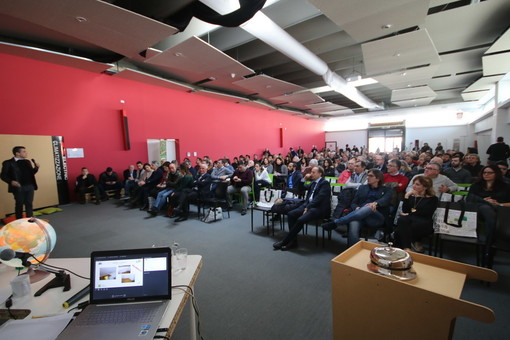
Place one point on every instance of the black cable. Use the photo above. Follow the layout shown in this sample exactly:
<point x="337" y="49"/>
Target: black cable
<point x="49" y="265"/>
<point x="194" y="304"/>
<point x="8" y="305"/>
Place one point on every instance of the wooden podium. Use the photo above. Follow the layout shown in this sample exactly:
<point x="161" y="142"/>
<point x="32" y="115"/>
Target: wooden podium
<point x="368" y="305"/>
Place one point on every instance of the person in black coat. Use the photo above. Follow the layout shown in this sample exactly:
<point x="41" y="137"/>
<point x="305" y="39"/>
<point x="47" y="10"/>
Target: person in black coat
<point x="200" y="189"/>
<point x="19" y="174"/>
<point x="86" y="183"/>
<point x="370" y="207"/>
<point x="415" y="221"/>
<point x="317" y="205"/>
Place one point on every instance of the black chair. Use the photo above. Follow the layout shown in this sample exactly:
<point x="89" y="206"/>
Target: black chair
<point x="501" y="236"/>
<point x="219" y="200"/>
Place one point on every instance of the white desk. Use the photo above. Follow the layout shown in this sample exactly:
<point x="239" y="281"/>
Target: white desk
<point x="50" y="303"/>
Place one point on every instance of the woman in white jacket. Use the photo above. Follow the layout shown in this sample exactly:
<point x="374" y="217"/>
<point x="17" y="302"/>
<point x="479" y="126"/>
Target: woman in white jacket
<point x="262" y="180"/>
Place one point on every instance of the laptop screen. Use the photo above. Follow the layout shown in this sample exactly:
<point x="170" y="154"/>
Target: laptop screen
<point x="130" y="275"/>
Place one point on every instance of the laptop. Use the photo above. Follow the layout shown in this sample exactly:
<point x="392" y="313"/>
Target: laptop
<point x="129" y="293"/>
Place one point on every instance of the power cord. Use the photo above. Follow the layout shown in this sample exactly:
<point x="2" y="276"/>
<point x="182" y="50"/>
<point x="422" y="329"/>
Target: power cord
<point x="8" y="303"/>
<point x="51" y="266"/>
<point x="188" y="290"/>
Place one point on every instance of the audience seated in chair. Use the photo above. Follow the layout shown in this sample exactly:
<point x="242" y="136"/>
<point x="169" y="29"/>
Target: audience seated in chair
<point x="131" y="177"/>
<point x="262" y="180"/>
<point x="170" y="179"/>
<point x="317" y="205"/>
<point x="456" y="172"/>
<point x="370" y="205"/>
<point x="473" y="165"/>
<point x="220" y="173"/>
<point x="486" y="194"/>
<point x="440" y="183"/>
<point x="415" y="220"/>
<point x="86" y="183"/>
<point x="153" y="174"/>
<point x="200" y="189"/>
<point x="346" y="174"/>
<point x="109" y="180"/>
<point x="241" y="182"/>
<point x="185" y="182"/>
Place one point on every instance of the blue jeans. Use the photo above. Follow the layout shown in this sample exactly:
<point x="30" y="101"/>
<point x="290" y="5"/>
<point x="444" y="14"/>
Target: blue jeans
<point x="161" y="199"/>
<point x="359" y="218"/>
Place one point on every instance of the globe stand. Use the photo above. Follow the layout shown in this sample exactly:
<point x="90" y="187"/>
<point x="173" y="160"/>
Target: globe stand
<point x="61" y="279"/>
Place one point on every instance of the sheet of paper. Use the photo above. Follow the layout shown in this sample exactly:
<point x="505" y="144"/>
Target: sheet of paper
<point x="45" y="328"/>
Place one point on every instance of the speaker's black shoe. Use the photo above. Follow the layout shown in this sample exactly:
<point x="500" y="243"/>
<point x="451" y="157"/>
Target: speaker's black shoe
<point x="278" y="245"/>
<point x="289" y="246"/>
<point x="329" y="226"/>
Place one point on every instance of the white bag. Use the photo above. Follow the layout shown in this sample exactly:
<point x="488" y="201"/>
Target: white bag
<point x="214" y="214"/>
<point x="452" y="218"/>
<point x="446" y="197"/>
<point x="267" y="197"/>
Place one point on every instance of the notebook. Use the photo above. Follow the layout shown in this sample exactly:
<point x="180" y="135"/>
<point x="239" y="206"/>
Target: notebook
<point x="129" y="293"/>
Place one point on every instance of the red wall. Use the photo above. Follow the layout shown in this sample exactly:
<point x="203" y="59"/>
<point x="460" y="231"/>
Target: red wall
<point x="39" y="98"/>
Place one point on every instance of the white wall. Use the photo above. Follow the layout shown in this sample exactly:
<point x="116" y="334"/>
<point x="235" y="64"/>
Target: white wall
<point x="356" y="137"/>
<point x="433" y="135"/>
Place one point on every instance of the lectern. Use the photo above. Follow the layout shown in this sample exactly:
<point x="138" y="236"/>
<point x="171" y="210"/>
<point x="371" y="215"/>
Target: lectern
<point x="368" y="305"/>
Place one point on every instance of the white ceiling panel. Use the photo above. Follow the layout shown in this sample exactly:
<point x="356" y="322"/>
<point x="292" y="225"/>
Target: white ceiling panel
<point x="408" y="78"/>
<point x="453" y="63"/>
<point x="54" y="57"/>
<point x="188" y="61"/>
<point x="483" y="84"/>
<point x="298" y="100"/>
<point x="325" y="107"/>
<point x="220" y="96"/>
<point x="471" y="25"/>
<point x="367" y="19"/>
<point x="338" y="112"/>
<point x="266" y="86"/>
<point x="93" y="21"/>
<point x="496" y="64"/>
<point x="502" y="44"/>
<point x="472" y="96"/>
<point x="414" y="102"/>
<point x="399" y="52"/>
<point x="458" y="81"/>
<point x="447" y="95"/>
<point x="150" y="79"/>
<point x="257" y="104"/>
<point x="412" y="93"/>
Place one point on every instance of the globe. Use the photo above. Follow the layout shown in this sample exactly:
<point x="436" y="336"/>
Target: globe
<point x="28" y="235"/>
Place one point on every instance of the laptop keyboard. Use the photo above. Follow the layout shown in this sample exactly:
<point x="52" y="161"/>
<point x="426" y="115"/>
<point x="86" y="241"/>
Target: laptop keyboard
<point x="118" y="314"/>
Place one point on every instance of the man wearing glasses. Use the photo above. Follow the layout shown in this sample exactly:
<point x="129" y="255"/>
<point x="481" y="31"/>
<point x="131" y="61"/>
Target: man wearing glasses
<point x="440" y="183"/>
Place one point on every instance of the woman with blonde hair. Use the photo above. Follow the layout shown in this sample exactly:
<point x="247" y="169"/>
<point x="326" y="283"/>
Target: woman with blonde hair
<point x="415" y="221"/>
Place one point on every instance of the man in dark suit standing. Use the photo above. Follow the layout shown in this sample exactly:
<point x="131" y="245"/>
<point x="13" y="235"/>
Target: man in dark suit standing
<point x="19" y="174"/>
<point x="316" y="205"/>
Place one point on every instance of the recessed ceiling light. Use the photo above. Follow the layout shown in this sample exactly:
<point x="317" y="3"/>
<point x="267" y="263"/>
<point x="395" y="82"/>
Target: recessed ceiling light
<point x="81" y="19"/>
<point x="178" y="54"/>
<point x="396" y="54"/>
<point x="387" y="26"/>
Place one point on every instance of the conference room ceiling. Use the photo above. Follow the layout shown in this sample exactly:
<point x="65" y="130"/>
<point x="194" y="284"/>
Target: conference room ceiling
<point x="419" y="52"/>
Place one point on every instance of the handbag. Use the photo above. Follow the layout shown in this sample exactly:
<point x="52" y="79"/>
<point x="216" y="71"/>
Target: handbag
<point x="454" y="218"/>
<point x="214" y="214"/>
<point x="268" y="197"/>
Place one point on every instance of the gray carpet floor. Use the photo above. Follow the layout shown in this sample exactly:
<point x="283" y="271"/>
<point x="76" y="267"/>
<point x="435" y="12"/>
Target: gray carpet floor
<point x="245" y="289"/>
